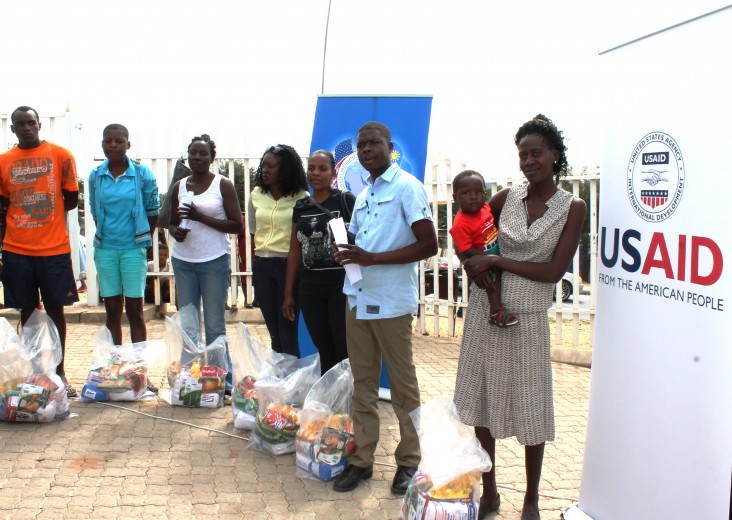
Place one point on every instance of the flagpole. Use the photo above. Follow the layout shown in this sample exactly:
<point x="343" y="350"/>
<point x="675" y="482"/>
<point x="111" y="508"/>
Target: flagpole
<point x="325" y="49"/>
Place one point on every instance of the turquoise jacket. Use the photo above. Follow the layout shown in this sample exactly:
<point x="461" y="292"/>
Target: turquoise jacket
<point x="146" y="204"/>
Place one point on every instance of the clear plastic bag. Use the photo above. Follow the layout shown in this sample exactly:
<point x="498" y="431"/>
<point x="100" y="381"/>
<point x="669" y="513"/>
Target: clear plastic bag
<point x="447" y="484"/>
<point x="196" y="372"/>
<point x="252" y="361"/>
<point x="280" y="402"/>
<point x="30" y="390"/>
<point x="325" y="437"/>
<point x="120" y="372"/>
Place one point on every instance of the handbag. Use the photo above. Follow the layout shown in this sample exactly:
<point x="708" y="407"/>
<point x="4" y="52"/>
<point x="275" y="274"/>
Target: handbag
<point x="344" y="210"/>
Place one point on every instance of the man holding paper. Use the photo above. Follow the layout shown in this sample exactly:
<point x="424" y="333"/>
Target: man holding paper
<point x="393" y="226"/>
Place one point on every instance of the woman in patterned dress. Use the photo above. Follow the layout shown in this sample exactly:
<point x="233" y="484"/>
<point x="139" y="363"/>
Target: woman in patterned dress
<point x="504" y="380"/>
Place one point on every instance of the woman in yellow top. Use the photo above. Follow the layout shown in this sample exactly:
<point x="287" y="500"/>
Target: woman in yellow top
<point x="278" y="184"/>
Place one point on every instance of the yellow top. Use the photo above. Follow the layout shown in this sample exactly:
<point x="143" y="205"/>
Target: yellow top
<point x="272" y="222"/>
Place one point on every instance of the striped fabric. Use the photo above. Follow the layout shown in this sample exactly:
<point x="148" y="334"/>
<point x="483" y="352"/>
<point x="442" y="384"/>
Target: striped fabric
<point x="504" y="379"/>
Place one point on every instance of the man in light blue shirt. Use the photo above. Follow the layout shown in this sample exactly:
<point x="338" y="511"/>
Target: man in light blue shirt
<point x="394" y="230"/>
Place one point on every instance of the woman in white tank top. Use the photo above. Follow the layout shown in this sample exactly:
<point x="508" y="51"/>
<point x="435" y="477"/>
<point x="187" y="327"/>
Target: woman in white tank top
<point x="208" y="211"/>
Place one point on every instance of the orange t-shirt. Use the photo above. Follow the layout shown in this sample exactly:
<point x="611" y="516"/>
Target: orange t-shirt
<point x="32" y="180"/>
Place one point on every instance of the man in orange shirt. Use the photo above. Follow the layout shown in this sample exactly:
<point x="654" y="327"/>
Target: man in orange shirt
<point x="38" y="185"/>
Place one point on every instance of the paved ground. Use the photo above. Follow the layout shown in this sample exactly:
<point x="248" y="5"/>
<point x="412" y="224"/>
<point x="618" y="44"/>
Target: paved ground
<point x="112" y="463"/>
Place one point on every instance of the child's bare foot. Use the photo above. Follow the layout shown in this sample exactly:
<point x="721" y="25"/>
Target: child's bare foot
<point x="503" y="318"/>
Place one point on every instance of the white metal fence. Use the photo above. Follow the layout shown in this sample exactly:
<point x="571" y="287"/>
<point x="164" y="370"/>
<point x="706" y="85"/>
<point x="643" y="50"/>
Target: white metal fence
<point x="443" y="289"/>
<point x="57" y="128"/>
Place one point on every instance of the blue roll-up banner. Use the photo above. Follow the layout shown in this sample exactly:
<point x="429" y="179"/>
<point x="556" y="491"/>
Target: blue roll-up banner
<point x="337" y="120"/>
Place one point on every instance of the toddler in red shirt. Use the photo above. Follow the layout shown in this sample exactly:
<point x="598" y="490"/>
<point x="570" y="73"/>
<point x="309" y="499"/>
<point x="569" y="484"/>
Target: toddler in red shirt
<point x="475" y="233"/>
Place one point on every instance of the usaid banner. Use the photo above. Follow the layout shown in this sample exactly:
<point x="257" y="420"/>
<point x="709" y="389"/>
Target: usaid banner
<point x="337" y="120"/>
<point x="659" y="434"/>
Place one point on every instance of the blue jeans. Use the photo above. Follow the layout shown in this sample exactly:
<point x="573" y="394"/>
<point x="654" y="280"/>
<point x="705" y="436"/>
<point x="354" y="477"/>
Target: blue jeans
<point x="268" y="277"/>
<point x="206" y="282"/>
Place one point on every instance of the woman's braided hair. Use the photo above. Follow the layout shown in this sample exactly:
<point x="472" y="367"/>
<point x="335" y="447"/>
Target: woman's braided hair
<point x="206" y="139"/>
<point x="546" y="130"/>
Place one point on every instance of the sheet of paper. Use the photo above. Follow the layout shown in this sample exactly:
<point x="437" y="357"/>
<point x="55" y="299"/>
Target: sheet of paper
<point x="338" y="227"/>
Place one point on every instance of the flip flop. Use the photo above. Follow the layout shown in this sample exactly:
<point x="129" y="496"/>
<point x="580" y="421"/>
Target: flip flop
<point x="70" y="390"/>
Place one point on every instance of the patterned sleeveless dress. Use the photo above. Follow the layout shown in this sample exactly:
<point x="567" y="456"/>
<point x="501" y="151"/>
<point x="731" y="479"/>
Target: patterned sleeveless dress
<point x="504" y="378"/>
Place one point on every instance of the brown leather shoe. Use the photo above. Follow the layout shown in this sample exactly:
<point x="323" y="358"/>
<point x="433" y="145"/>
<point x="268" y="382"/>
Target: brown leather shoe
<point x="402" y="478"/>
<point x="351" y="478"/>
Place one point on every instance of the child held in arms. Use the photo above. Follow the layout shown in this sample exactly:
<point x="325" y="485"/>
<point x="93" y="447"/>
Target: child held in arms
<point x="475" y="233"/>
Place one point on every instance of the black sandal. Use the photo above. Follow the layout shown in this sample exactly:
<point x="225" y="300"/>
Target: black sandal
<point x="483" y="508"/>
<point x="503" y="318"/>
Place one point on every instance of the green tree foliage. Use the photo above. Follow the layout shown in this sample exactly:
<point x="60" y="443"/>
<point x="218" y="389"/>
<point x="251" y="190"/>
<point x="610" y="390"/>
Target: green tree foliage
<point x="238" y="178"/>
<point x="80" y="205"/>
<point x="584" y="247"/>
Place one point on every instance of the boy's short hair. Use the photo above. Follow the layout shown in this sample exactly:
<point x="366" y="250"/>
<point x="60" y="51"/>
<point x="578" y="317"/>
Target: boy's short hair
<point x="379" y="127"/>
<point x="464" y="175"/>
<point x="117" y="126"/>
<point x="24" y="108"/>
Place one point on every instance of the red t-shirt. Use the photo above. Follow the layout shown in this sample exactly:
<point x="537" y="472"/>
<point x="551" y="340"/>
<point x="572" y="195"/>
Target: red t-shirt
<point x="32" y="180"/>
<point x="476" y="230"/>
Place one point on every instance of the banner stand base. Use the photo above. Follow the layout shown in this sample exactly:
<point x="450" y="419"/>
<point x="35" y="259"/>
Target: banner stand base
<point x="573" y="512"/>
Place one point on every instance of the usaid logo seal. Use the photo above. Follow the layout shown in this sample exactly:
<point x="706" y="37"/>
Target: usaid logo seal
<point x="656" y="177"/>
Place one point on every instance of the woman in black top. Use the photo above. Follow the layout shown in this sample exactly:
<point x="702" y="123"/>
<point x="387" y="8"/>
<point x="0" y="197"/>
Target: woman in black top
<point x="320" y="278"/>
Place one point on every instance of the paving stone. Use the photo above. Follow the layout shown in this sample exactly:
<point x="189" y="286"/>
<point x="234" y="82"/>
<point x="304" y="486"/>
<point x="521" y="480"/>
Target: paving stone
<point x="112" y="463"/>
<point x="105" y="501"/>
<point x="7" y="502"/>
<point x="24" y="514"/>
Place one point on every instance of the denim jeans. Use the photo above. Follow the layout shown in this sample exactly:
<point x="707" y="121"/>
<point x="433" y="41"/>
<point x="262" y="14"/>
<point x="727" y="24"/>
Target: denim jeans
<point x="268" y="277"/>
<point x="206" y="282"/>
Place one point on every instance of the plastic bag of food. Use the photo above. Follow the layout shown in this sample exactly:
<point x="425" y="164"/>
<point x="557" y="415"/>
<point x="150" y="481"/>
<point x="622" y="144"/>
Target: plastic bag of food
<point x="280" y="400"/>
<point x="325" y="438"/>
<point x="120" y="372"/>
<point x="30" y="390"/>
<point x="196" y="372"/>
<point x="447" y="483"/>
<point x="252" y="361"/>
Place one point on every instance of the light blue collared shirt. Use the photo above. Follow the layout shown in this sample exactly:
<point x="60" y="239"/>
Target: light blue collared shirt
<point x="382" y="221"/>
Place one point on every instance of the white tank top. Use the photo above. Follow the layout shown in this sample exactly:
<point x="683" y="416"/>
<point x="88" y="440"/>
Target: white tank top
<point x="203" y="243"/>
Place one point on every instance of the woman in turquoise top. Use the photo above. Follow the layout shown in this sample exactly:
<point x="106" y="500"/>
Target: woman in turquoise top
<point x="124" y="202"/>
